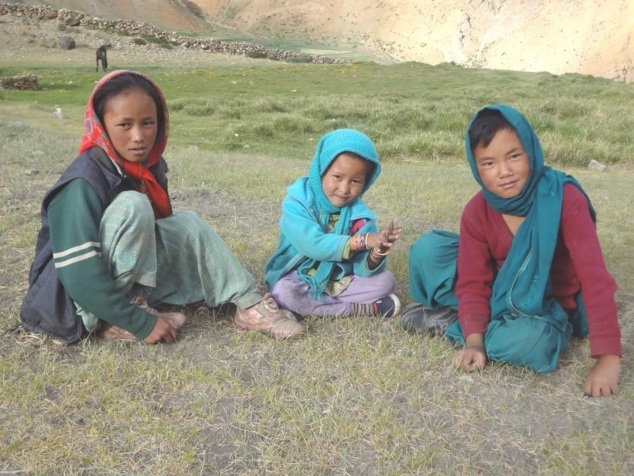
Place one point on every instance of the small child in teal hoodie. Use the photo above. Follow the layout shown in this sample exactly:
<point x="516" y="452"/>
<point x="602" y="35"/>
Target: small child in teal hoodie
<point x="330" y="260"/>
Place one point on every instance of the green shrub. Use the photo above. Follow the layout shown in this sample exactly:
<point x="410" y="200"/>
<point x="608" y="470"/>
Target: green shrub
<point x="256" y="54"/>
<point x="156" y="40"/>
<point x="300" y="59"/>
<point x="293" y="123"/>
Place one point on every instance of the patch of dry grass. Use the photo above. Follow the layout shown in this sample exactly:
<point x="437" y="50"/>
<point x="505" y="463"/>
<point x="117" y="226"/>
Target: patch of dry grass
<point x="355" y="396"/>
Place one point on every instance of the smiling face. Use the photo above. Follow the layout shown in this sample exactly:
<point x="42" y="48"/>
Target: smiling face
<point x="344" y="180"/>
<point x="130" y="119"/>
<point x="503" y="165"/>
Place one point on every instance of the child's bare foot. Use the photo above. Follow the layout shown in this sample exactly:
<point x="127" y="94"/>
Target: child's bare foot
<point x="177" y="318"/>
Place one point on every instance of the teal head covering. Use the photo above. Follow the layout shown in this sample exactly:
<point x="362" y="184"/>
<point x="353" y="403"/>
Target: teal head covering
<point x="330" y="146"/>
<point x="522" y="285"/>
<point x="521" y="204"/>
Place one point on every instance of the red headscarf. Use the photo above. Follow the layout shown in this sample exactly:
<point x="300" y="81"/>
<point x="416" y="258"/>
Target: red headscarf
<point x="95" y="135"/>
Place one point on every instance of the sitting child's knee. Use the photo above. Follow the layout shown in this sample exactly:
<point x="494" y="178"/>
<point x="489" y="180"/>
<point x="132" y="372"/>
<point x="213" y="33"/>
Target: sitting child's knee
<point x="385" y="281"/>
<point x="526" y="342"/>
<point x="133" y="199"/>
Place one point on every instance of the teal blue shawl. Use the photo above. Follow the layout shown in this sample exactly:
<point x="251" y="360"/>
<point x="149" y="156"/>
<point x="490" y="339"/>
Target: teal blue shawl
<point x="328" y="149"/>
<point x="523" y="282"/>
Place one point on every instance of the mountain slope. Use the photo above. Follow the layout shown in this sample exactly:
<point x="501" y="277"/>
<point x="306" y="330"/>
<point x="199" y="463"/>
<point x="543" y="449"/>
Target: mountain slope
<point x="559" y="36"/>
<point x="169" y="14"/>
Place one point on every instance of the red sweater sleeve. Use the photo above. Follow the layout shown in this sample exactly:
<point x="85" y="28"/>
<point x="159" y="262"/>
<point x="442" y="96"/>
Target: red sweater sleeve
<point x="476" y="268"/>
<point x="596" y="283"/>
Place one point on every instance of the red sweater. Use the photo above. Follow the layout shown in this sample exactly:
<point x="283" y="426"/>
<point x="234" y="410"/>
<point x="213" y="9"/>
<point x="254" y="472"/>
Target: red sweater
<point x="578" y="264"/>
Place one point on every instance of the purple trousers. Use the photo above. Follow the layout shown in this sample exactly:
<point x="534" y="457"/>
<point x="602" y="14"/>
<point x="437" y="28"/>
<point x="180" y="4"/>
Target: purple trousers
<point x="292" y="293"/>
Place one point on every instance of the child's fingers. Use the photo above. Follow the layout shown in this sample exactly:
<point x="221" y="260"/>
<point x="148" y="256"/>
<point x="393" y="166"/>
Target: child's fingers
<point x="469" y="360"/>
<point x="393" y="233"/>
<point x="394" y="237"/>
<point x="457" y="358"/>
<point x="388" y="229"/>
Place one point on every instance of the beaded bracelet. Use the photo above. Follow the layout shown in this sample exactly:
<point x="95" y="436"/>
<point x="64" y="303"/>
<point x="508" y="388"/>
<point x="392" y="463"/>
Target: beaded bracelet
<point x="362" y="246"/>
<point x="359" y="242"/>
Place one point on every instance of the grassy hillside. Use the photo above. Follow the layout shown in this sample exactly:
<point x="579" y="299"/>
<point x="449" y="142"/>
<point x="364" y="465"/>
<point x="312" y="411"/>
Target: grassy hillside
<point x="413" y="111"/>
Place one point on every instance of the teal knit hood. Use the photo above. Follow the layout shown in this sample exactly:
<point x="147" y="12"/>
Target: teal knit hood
<point x="328" y="149"/>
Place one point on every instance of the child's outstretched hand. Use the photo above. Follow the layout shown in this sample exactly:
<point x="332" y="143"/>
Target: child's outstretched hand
<point x="603" y="379"/>
<point x="385" y="238"/>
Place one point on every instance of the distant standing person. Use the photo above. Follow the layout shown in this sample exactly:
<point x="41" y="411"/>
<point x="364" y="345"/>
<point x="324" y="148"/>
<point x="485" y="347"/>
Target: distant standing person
<point x="103" y="57"/>
<point x="526" y="272"/>
<point x="110" y="245"/>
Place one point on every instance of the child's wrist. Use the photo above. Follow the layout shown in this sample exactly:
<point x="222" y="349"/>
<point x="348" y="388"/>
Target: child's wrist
<point x="359" y="242"/>
<point x="377" y="254"/>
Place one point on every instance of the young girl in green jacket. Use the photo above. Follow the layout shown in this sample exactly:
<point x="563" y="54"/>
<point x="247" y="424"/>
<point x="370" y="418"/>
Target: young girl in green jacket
<point x="111" y="247"/>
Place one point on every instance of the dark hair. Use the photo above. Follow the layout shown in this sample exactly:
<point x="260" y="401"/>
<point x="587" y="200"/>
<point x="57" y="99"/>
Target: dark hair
<point x="125" y="82"/>
<point x="484" y="127"/>
<point x="370" y="166"/>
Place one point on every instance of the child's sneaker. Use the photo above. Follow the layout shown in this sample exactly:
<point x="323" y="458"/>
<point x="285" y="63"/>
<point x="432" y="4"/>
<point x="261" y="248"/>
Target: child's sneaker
<point x="388" y="306"/>
<point x="420" y="318"/>
<point x="268" y="318"/>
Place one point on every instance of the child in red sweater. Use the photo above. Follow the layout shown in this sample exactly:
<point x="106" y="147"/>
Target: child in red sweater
<point x="530" y="270"/>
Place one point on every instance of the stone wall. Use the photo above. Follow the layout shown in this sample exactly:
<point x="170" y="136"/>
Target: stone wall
<point x="132" y="28"/>
<point x="28" y="82"/>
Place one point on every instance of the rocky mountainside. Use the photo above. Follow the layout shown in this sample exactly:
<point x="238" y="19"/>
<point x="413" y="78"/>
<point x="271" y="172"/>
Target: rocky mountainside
<point x="69" y="20"/>
<point x="559" y="36"/>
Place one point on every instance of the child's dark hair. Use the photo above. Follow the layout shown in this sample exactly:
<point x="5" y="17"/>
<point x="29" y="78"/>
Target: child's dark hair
<point x="125" y="82"/>
<point x="485" y="126"/>
<point x="369" y="169"/>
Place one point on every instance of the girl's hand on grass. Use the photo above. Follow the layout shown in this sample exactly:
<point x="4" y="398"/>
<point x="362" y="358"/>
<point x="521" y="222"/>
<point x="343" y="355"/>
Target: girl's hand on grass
<point x="603" y="379"/>
<point x="163" y="330"/>
<point x="473" y="357"/>
<point x="470" y="359"/>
